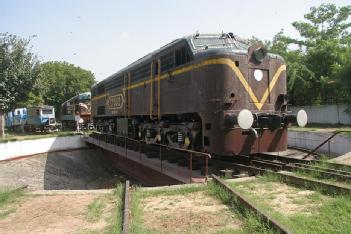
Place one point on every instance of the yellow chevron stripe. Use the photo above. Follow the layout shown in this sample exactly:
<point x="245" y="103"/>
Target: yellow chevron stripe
<point x="235" y="69"/>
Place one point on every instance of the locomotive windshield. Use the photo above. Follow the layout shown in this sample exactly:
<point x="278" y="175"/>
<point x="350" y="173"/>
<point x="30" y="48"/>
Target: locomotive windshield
<point x="219" y="41"/>
<point x="47" y="111"/>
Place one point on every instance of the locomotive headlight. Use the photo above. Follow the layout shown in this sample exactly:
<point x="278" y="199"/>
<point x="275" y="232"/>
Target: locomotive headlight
<point x="259" y="54"/>
<point x="245" y="119"/>
<point x="301" y="118"/>
<point x="258" y="74"/>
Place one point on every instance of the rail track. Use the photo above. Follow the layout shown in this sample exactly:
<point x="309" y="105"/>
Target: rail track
<point x="248" y="205"/>
<point x="253" y="164"/>
<point x="320" y="169"/>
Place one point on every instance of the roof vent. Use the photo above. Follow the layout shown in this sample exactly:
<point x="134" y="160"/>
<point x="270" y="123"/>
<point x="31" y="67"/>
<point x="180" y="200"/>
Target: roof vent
<point x="231" y="35"/>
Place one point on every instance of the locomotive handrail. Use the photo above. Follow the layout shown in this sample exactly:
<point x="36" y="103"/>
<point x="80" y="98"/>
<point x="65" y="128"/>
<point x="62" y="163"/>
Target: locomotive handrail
<point x="190" y="154"/>
<point x="162" y="145"/>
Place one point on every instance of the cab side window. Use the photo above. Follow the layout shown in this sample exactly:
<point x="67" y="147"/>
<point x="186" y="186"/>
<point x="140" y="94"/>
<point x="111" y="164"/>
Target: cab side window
<point x="181" y="56"/>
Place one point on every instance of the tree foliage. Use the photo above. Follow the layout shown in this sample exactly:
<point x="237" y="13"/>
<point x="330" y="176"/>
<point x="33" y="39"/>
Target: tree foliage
<point x="19" y="69"/>
<point x="59" y="81"/>
<point x="26" y="82"/>
<point x="319" y="60"/>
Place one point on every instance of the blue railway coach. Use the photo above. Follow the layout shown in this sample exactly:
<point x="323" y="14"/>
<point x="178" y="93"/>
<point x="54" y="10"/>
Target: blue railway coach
<point x="41" y="118"/>
<point x="16" y="119"/>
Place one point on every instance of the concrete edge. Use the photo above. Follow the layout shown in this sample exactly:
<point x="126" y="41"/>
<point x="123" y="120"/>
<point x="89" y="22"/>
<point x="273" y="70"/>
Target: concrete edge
<point x="33" y="155"/>
<point x="180" y="186"/>
<point x="71" y="192"/>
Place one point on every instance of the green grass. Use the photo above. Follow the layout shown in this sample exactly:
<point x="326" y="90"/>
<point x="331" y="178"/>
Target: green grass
<point x="136" y="225"/>
<point x="115" y="220"/>
<point x="329" y="214"/>
<point x="316" y="175"/>
<point x="14" y="136"/>
<point x="95" y="210"/>
<point x="173" y="191"/>
<point x="313" y="127"/>
<point x="252" y="223"/>
<point x="7" y="199"/>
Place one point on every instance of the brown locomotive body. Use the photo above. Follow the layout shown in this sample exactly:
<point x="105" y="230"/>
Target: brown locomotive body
<point x="209" y="92"/>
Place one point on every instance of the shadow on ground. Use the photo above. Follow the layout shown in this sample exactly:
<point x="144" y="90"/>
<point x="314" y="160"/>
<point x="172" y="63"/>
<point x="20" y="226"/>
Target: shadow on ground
<point x="75" y="169"/>
<point x="80" y="169"/>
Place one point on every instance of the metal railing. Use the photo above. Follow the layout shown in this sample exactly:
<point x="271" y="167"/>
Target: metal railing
<point x="140" y="145"/>
<point x="328" y="140"/>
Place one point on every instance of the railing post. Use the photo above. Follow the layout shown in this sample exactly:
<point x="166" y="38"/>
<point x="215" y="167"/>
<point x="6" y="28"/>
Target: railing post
<point x="329" y="148"/>
<point x="125" y="146"/>
<point x="206" y="167"/>
<point x="191" y="167"/>
<point x="140" y="150"/>
<point x="114" y="142"/>
<point x="161" y="158"/>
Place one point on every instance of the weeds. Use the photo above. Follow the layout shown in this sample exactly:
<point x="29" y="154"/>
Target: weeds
<point x="15" y="136"/>
<point x="8" y="197"/>
<point x="95" y="210"/>
<point x="252" y="222"/>
<point x="115" y="221"/>
<point x="136" y="226"/>
<point x="322" y="214"/>
<point x="174" y="191"/>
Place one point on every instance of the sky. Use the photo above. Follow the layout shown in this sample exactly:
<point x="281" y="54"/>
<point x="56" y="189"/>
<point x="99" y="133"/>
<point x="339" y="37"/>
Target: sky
<point x="105" y="36"/>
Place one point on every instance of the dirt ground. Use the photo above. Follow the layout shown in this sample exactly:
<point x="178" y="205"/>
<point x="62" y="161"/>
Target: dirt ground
<point x="343" y="159"/>
<point x="77" y="169"/>
<point x="54" y="214"/>
<point x="195" y="213"/>
<point x="283" y="198"/>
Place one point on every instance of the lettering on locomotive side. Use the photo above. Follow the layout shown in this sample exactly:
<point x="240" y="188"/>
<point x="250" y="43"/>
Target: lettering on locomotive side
<point x="115" y="102"/>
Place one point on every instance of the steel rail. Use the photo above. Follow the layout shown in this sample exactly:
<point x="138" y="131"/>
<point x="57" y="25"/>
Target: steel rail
<point x="325" y="169"/>
<point x="321" y="171"/>
<point x="300" y="181"/>
<point x="336" y="166"/>
<point x="126" y="211"/>
<point x="273" y="223"/>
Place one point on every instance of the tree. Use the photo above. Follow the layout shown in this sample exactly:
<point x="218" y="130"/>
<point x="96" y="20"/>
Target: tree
<point x="315" y="64"/>
<point x="59" y="81"/>
<point x="18" y="72"/>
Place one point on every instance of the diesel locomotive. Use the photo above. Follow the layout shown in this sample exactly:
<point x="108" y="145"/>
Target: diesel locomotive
<point x="39" y="118"/>
<point x="209" y="92"/>
<point x="77" y="105"/>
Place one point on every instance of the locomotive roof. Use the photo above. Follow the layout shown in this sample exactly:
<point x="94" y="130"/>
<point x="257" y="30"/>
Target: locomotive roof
<point x="77" y="96"/>
<point x="198" y="44"/>
<point x="41" y="107"/>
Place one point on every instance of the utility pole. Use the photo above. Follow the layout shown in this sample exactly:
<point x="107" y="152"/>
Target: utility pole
<point x="2" y="121"/>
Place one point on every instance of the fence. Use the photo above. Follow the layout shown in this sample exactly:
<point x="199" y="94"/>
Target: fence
<point x="326" y="114"/>
<point x="339" y="145"/>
